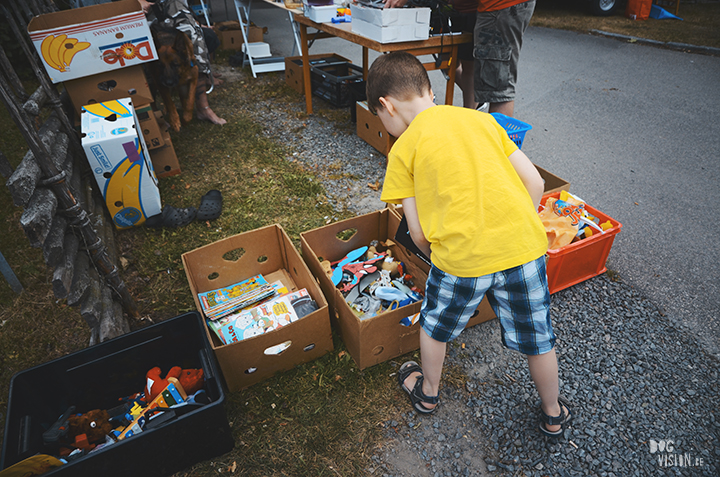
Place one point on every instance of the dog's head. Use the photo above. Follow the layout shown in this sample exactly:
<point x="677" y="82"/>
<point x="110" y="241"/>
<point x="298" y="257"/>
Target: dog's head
<point x="175" y="54"/>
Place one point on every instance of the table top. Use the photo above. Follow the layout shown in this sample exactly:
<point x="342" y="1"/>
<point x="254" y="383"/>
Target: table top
<point x="344" y="31"/>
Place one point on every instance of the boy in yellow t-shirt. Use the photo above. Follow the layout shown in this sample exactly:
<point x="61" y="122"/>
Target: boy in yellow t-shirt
<point x="470" y="197"/>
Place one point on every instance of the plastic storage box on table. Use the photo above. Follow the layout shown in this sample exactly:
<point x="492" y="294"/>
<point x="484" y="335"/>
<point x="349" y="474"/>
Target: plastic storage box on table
<point x="96" y="377"/>
<point x="581" y="260"/>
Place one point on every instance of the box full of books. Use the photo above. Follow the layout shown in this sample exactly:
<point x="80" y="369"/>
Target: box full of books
<point x="263" y="310"/>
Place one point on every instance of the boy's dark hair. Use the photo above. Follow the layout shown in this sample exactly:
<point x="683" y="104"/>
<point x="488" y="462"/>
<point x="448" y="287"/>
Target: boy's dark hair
<point x="397" y="74"/>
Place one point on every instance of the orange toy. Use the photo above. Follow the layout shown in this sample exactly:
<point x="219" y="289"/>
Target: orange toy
<point x="191" y="381"/>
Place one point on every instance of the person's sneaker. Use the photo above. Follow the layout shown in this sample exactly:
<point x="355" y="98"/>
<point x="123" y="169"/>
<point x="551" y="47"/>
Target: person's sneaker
<point x="484" y="107"/>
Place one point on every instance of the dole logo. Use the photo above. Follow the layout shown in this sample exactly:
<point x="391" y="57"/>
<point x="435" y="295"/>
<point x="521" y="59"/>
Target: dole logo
<point x="127" y="51"/>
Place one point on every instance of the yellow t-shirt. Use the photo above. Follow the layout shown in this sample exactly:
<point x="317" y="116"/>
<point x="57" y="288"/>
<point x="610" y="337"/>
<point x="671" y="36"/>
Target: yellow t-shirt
<point x="473" y="208"/>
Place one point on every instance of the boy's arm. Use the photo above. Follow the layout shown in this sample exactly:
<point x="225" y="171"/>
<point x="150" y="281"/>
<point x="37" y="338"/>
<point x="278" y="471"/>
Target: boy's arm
<point x="529" y="176"/>
<point x="416" y="233"/>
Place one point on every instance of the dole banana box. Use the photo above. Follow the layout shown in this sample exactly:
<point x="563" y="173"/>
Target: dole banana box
<point x="116" y="152"/>
<point x="90" y="40"/>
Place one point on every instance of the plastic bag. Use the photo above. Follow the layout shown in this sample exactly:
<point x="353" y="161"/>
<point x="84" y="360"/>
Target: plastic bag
<point x="561" y="219"/>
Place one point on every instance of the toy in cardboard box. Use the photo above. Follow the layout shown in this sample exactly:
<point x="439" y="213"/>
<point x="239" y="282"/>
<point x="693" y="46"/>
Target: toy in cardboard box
<point x="118" y="157"/>
<point x="371" y="338"/>
<point x="90" y="40"/>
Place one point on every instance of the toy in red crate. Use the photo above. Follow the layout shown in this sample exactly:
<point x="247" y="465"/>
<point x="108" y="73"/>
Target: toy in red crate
<point x="579" y="239"/>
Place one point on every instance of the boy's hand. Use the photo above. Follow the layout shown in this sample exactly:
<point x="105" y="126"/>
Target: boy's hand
<point x="416" y="233"/>
<point x="529" y="176"/>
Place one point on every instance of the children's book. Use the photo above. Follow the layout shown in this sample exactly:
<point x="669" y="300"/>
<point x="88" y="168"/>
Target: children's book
<point x="216" y="325"/>
<point x="224" y="301"/>
<point x="263" y="318"/>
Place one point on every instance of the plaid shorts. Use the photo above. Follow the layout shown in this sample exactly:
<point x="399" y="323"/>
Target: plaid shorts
<point x="519" y="297"/>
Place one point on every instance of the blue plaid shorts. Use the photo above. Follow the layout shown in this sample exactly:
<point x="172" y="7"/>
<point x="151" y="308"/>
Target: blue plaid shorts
<point x="519" y="297"/>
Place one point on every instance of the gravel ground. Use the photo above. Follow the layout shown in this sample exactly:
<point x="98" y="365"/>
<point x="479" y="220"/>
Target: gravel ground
<point x="644" y="393"/>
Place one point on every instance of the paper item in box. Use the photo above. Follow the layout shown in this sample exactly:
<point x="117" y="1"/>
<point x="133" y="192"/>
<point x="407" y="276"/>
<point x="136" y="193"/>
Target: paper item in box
<point x="320" y="13"/>
<point x="263" y="318"/>
<point x="89" y="40"/>
<point x="224" y="301"/>
<point x="216" y="325"/>
<point x="120" y="163"/>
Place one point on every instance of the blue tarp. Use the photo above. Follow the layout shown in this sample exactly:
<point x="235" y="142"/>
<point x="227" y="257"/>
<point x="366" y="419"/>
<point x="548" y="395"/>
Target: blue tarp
<point x="659" y="13"/>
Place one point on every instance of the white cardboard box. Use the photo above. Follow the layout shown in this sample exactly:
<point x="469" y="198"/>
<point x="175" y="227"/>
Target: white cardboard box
<point x="118" y="157"/>
<point x="391" y="34"/>
<point x="320" y="13"/>
<point x="391" y="16"/>
<point x="90" y="40"/>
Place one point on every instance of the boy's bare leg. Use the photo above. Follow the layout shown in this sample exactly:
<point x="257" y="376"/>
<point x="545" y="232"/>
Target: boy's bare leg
<point x="507" y="108"/>
<point x="544" y="372"/>
<point x="432" y="354"/>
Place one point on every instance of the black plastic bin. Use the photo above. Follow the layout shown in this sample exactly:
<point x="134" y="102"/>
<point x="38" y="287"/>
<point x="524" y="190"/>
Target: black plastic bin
<point x="96" y="377"/>
<point x="331" y="82"/>
<point x="357" y="93"/>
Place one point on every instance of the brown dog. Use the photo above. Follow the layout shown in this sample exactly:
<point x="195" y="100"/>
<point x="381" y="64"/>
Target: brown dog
<point x="176" y="70"/>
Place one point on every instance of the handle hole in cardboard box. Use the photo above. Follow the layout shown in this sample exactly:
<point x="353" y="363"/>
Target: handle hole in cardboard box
<point x="250" y="370"/>
<point x="346" y="234"/>
<point x="309" y="347"/>
<point x="108" y="85"/>
<point x="213" y="276"/>
<point x="277" y="349"/>
<point x="233" y="255"/>
<point x="262" y="258"/>
<point x="377" y="350"/>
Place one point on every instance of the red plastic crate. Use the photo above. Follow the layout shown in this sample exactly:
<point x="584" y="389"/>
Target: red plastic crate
<point x="581" y="260"/>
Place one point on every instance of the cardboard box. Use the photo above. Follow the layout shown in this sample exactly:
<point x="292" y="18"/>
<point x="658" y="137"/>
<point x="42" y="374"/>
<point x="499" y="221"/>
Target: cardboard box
<point x="267" y="251"/>
<point x="294" y="68"/>
<point x="117" y="84"/>
<point x="89" y="40"/>
<point x="374" y="340"/>
<point x="233" y="39"/>
<point x="391" y="25"/>
<point x="552" y="182"/>
<point x="164" y="159"/>
<point x="371" y="130"/>
<point x="96" y="378"/>
<point x="117" y="155"/>
<point x="150" y="127"/>
<point x="320" y="13"/>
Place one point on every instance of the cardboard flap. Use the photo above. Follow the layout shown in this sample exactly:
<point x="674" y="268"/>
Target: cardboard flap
<point x="211" y="270"/>
<point x="75" y="16"/>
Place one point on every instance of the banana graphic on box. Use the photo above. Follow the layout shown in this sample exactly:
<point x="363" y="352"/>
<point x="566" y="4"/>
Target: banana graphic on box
<point x="103" y="110"/>
<point x="58" y="51"/>
<point x="122" y="190"/>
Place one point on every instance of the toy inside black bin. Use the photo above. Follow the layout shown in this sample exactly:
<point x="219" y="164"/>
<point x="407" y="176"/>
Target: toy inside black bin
<point x="96" y="377"/>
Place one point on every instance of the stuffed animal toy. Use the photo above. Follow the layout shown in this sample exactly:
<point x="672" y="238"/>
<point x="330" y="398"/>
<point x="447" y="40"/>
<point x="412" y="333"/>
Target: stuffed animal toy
<point x="327" y="267"/>
<point x="191" y="381"/>
<point x="94" y="424"/>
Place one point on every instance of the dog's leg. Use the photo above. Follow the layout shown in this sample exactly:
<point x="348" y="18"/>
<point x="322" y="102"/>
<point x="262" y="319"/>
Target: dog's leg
<point x="172" y="115"/>
<point x="189" y="98"/>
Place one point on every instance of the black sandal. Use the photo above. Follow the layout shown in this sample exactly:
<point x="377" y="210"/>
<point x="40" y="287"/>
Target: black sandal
<point x="562" y="420"/>
<point x="210" y="206"/>
<point x="172" y="217"/>
<point x="416" y="395"/>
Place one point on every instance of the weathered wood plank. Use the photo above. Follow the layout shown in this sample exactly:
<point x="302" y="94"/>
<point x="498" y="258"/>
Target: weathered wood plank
<point x="53" y="247"/>
<point x="81" y="279"/>
<point x="37" y="217"/>
<point x="63" y="274"/>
